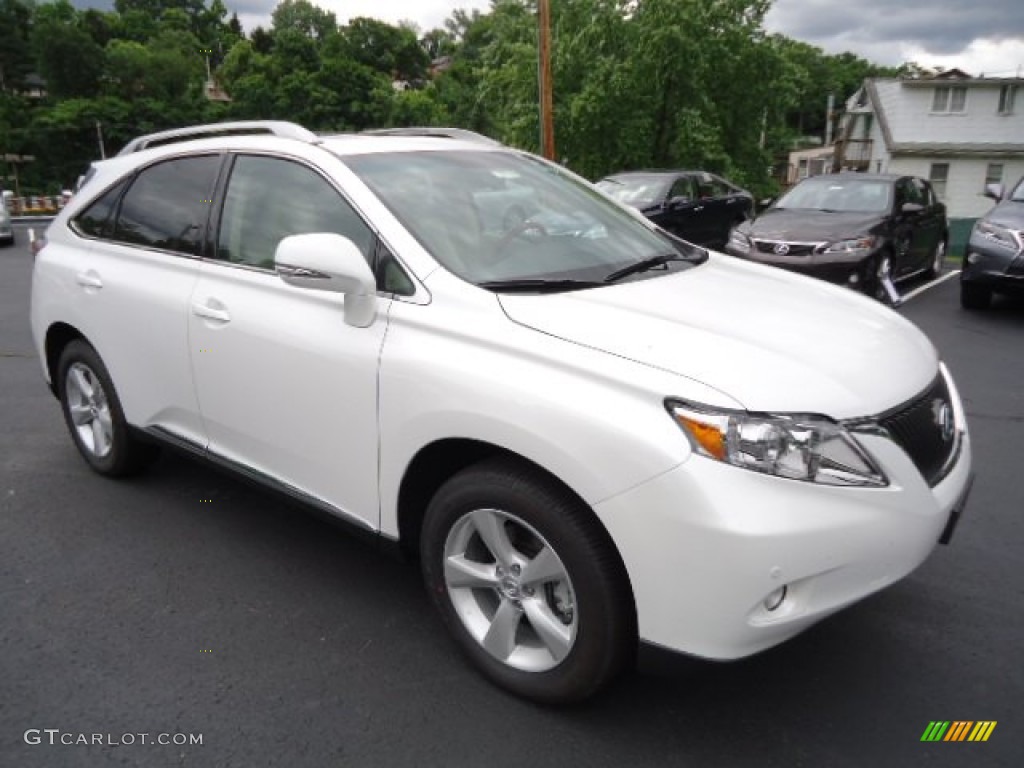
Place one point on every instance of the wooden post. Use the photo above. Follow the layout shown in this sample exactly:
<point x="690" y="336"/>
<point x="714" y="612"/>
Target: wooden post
<point x="547" y="127"/>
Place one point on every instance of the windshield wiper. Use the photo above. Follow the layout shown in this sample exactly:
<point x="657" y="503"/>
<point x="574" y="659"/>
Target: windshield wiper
<point x="537" y="285"/>
<point x="645" y="265"/>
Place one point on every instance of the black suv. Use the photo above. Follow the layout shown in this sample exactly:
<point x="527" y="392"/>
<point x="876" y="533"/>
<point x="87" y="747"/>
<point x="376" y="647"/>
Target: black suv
<point x="994" y="257"/>
<point x="694" y="205"/>
<point x="862" y="230"/>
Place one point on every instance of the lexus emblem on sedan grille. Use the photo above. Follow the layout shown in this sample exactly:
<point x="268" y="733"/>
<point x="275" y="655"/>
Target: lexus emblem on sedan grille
<point x="782" y="249"/>
<point x="943" y="417"/>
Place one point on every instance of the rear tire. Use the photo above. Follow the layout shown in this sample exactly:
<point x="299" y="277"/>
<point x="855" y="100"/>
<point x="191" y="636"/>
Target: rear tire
<point x="527" y="582"/>
<point x="93" y="414"/>
<point x="974" y="296"/>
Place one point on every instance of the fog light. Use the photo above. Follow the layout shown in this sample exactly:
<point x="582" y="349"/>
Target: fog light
<point x="774" y="600"/>
<point x="973" y="258"/>
<point x="854" y="278"/>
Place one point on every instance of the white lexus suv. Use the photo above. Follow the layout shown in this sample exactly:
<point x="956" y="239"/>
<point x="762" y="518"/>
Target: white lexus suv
<point x="590" y="433"/>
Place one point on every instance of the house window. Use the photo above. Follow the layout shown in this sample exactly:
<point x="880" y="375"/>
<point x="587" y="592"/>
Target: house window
<point x="1007" y="95"/>
<point x="949" y="99"/>
<point x="937" y="175"/>
<point x="993" y="174"/>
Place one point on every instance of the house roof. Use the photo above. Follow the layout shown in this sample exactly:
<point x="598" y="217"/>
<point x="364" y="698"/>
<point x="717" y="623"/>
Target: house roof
<point x="899" y="111"/>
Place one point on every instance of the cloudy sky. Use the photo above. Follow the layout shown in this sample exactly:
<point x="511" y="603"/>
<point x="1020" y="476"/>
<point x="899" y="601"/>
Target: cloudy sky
<point x="978" y="36"/>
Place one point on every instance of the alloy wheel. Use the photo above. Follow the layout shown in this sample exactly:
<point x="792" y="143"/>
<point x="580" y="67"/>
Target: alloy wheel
<point x="89" y="409"/>
<point x="510" y="590"/>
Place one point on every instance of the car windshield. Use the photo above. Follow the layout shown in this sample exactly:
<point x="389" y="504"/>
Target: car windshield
<point x="492" y="217"/>
<point x="1018" y="194"/>
<point x="839" y="194"/>
<point x="635" y="190"/>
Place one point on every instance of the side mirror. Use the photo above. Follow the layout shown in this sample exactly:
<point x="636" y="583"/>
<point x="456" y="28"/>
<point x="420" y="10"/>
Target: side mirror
<point x="911" y="208"/>
<point x="678" y="201"/>
<point x="995" y="191"/>
<point x="325" y="261"/>
<point x="765" y="202"/>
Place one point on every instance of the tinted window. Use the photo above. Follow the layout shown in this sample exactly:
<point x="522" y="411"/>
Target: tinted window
<point x="269" y="199"/>
<point x="167" y="205"/>
<point x="97" y="219"/>
<point x="683" y="187"/>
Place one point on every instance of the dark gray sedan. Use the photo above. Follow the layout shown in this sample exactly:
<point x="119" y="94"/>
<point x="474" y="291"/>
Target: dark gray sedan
<point x="994" y="257"/>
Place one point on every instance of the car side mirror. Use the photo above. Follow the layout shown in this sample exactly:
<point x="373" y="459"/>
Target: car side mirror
<point x="324" y="261"/>
<point x="765" y="202"/>
<point x="995" y="191"/>
<point x="679" y="201"/>
<point x="911" y="208"/>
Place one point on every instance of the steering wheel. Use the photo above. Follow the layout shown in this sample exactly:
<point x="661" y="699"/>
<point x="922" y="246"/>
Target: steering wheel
<point x="516" y="232"/>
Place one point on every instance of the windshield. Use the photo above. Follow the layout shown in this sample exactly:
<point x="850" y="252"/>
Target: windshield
<point x="635" y="190"/>
<point x="839" y="194"/>
<point x="1018" y="194"/>
<point x="491" y="217"/>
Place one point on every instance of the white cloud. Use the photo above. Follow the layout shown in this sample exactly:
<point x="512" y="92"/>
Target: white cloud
<point x="427" y="14"/>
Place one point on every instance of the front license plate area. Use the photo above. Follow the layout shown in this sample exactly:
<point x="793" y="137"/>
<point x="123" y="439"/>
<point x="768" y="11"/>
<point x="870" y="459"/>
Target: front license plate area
<point x="956" y="512"/>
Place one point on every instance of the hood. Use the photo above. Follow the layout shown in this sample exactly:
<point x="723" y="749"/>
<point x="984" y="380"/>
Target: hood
<point x="1008" y="213"/>
<point x="772" y="340"/>
<point x="811" y="226"/>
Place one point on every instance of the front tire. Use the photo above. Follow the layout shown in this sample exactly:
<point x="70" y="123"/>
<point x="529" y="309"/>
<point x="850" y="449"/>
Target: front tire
<point x="974" y="296"/>
<point x="938" y="260"/>
<point x="93" y="414"/>
<point x="527" y="582"/>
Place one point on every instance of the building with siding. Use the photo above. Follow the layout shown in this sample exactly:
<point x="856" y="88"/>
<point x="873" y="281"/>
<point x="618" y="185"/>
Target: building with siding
<point x="960" y="132"/>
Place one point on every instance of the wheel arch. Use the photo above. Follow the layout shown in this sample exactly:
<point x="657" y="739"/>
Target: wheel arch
<point x="437" y="462"/>
<point x="58" y="336"/>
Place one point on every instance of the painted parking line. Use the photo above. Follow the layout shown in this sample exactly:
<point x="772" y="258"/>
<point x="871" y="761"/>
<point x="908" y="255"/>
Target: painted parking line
<point x="922" y="288"/>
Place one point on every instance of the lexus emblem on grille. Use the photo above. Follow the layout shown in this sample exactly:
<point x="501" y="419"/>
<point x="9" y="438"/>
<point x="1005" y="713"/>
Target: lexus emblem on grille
<point x="942" y="414"/>
<point x="782" y="249"/>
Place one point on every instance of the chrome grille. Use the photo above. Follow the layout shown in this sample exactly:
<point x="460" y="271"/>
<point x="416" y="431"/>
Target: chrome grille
<point x="776" y="247"/>
<point x="918" y="427"/>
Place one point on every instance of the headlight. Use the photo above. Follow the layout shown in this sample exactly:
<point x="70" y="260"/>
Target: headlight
<point x="998" y="236"/>
<point x="854" y="247"/>
<point x="739" y="241"/>
<point x="796" y="446"/>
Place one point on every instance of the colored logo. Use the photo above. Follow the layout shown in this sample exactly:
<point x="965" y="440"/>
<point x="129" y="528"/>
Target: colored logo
<point x="958" y="730"/>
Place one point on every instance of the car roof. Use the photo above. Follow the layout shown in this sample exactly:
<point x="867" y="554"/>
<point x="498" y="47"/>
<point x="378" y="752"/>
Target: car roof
<point x="861" y="176"/>
<point x="655" y="172"/>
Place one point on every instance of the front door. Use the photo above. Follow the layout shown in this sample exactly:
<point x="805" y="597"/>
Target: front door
<point x="286" y="389"/>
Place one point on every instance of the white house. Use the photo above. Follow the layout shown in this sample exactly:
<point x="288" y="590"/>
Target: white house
<point x="961" y="132"/>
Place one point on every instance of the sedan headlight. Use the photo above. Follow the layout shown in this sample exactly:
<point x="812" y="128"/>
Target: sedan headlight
<point x="857" y="246"/>
<point x="998" y="236"/>
<point x="739" y="242"/>
<point x="796" y="446"/>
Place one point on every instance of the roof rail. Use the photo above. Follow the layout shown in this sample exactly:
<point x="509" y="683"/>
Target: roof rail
<point x="445" y="133"/>
<point x="212" y="130"/>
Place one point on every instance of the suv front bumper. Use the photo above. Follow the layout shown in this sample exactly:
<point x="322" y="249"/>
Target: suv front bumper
<point x="707" y="544"/>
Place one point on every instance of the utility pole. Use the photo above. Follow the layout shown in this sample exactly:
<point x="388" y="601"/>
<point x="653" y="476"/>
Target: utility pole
<point x="99" y="137"/>
<point x="547" y="127"/>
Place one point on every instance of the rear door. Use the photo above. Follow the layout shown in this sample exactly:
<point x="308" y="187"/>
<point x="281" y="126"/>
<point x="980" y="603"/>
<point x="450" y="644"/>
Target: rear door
<point x="287" y="390"/>
<point x="131" y="287"/>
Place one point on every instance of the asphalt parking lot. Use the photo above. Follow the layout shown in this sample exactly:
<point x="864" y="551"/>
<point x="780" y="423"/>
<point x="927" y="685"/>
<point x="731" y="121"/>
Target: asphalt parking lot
<point x="186" y="602"/>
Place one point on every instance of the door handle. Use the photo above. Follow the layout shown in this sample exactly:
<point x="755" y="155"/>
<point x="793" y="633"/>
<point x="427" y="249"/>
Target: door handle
<point x="89" y="279"/>
<point x="216" y="313"/>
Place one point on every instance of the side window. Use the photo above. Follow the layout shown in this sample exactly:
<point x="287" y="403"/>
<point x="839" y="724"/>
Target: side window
<point x="269" y="199"/>
<point x="97" y="219"/>
<point x="168" y="204"/>
<point x="922" y="192"/>
<point x="683" y="187"/>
